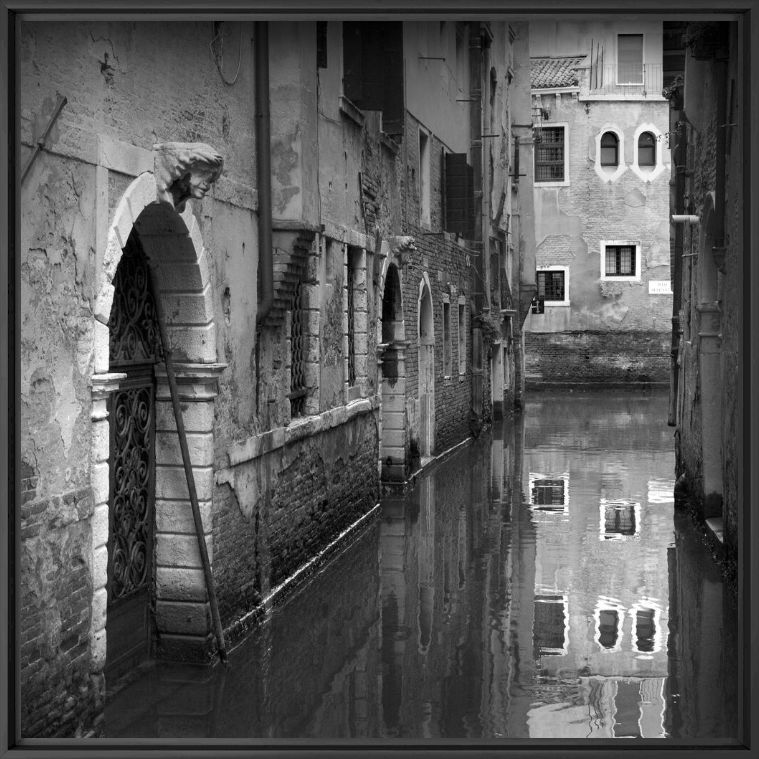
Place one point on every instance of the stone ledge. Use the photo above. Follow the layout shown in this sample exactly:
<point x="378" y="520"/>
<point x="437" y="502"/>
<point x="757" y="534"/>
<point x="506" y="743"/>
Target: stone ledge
<point x="258" y="445"/>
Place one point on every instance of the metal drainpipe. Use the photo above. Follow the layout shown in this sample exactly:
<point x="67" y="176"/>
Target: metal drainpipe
<point x="263" y="170"/>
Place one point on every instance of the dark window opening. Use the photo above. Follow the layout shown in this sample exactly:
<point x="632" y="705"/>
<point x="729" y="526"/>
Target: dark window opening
<point x="619" y="519"/>
<point x="645" y="629"/>
<point x="298" y="388"/>
<point x="549" y="154"/>
<point x="459" y="195"/>
<point x="447" y="339"/>
<point x="373" y="69"/>
<point x="646" y="149"/>
<point x="620" y="261"/>
<point x="548" y="493"/>
<point x="351" y="318"/>
<point x="609" y="149"/>
<point x="321" y="44"/>
<point x="548" y="626"/>
<point x="551" y="285"/>
<point x="608" y="627"/>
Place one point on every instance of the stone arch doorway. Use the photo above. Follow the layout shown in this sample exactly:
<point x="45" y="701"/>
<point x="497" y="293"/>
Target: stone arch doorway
<point x="393" y="379"/>
<point x="171" y="243"/>
<point x="134" y="349"/>
<point x="426" y="342"/>
<point x="710" y="364"/>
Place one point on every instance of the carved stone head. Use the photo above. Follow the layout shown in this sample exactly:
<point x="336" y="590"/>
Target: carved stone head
<point x="185" y="170"/>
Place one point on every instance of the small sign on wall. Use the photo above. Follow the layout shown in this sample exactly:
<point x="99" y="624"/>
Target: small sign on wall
<point x="659" y="287"/>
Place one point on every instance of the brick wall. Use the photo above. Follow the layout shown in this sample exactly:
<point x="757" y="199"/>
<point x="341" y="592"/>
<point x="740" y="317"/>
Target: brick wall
<point x="283" y="507"/>
<point x="590" y="357"/>
<point x="60" y="694"/>
<point x="448" y="266"/>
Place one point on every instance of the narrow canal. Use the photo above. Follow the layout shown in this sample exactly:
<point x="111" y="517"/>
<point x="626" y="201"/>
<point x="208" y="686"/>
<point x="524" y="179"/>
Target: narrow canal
<point x="537" y="584"/>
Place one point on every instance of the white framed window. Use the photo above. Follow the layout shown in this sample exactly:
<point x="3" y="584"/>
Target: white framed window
<point x="648" y="152"/>
<point x="553" y="285"/>
<point x="447" y="342"/>
<point x="549" y="492"/>
<point x="550" y="630"/>
<point x="647" y="633"/>
<point x="424" y="177"/>
<point x="620" y="260"/>
<point x="618" y="520"/>
<point x="630" y="59"/>
<point x="551" y="155"/>
<point x="610" y="153"/>
<point x="609" y="617"/>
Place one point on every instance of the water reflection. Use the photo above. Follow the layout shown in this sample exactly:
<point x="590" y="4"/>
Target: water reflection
<point x="535" y="585"/>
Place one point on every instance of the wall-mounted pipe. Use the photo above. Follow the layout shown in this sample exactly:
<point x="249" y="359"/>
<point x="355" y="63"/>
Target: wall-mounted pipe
<point x="263" y="170"/>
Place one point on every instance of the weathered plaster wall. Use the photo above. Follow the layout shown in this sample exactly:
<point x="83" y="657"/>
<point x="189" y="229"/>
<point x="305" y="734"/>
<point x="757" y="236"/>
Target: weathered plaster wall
<point x="128" y="85"/>
<point x="703" y="91"/>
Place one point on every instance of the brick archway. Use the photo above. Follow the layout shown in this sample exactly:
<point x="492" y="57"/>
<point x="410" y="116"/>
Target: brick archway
<point x="174" y="242"/>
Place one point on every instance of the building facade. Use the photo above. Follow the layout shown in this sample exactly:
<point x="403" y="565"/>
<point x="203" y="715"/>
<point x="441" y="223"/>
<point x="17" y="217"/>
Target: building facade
<point x="707" y="252"/>
<point x="601" y="186"/>
<point x="256" y="227"/>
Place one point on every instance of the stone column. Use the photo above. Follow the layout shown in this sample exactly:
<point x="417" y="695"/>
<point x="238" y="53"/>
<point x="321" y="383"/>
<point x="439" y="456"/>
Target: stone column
<point x="183" y="616"/>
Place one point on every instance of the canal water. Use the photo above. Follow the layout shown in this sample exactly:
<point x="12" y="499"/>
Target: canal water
<point x="536" y="584"/>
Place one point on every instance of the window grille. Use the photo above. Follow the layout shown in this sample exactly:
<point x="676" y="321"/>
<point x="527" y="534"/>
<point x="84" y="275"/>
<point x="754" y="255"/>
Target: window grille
<point x="646" y="149"/>
<point x="549" y="155"/>
<point x="620" y="261"/>
<point x="551" y="285"/>
<point x="609" y="149"/>
<point x="298" y="388"/>
<point x="462" y="338"/>
<point x="351" y="329"/>
<point x="447" y="339"/>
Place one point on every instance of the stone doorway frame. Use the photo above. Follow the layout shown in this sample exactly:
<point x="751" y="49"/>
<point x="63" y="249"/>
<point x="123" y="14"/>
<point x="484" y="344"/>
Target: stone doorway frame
<point x="392" y="350"/>
<point x="182" y="613"/>
<point x="426" y="347"/>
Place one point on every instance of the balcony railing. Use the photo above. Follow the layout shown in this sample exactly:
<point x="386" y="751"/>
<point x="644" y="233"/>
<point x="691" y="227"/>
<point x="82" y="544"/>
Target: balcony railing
<point x="633" y="81"/>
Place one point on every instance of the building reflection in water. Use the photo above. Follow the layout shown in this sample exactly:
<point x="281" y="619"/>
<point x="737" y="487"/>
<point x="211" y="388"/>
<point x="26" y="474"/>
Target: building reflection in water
<point x="536" y="584"/>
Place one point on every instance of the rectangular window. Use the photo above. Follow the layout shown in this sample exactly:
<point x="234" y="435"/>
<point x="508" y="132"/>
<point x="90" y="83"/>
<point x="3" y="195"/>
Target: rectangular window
<point x="619" y="520"/>
<point x="629" y="59"/>
<point x="298" y="388"/>
<point x="620" y="261"/>
<point x="548" y="628"/>
<point x="321" y="44"/>
<point x="462" y="338"/>
<point x="549" y="154"/>
<point x="459" y="195"/>
<point x="645" y="629"/>
<point x="551" y="285"/>
<point x="608" y="627"/>
<point x="447" y="339"/>
<point x="424" y="178"/>
<point x="351" y="308"/>
<point x="373" y="69"/>
<point x="548" y="492"/>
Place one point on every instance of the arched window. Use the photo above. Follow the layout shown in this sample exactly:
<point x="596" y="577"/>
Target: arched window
<point x="609" y="149"/>
<point x="646" y="149"/>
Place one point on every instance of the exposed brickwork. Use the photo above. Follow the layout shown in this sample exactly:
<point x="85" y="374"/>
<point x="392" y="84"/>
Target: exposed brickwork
<point x="448" y="266"/>
<point x="305" y="495"/>
<point x="597" y="357"/>
<point x="61" y="695"/>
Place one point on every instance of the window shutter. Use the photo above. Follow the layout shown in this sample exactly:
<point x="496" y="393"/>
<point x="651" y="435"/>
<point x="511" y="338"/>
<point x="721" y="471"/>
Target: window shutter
<point x="459" y="195"/>
<point x="391" y="67"/>
<point x="352" y="59"/>
<point x="630" y="58"/>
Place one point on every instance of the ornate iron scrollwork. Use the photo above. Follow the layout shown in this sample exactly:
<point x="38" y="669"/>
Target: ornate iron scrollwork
<point x="131" y="499"/>
<point x="134" y="336"/>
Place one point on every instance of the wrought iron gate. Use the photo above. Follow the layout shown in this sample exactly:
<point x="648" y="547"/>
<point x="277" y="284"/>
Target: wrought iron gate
<point x="134" y="348"/>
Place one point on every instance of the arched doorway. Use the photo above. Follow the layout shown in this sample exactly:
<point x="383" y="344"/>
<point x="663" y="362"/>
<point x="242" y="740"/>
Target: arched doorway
<point x="393" y="380"/>
<point x="172" y="244"/>
<point x="710" y="365"/>
<point x="426" y="339"/>
<point x="134" y="348"/>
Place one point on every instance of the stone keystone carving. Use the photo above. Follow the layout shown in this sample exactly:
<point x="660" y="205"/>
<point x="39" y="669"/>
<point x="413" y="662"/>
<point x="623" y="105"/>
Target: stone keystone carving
<point x="401" y="246"/>
<point x="185" y="170"/>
